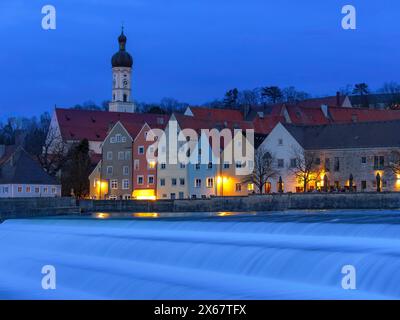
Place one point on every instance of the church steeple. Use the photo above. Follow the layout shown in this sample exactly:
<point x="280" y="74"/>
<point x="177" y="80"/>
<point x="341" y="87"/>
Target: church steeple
<point x="121" y="63"/>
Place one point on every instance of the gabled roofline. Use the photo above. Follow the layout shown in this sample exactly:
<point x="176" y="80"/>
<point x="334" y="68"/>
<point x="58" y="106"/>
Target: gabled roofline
<point x="122" y="125"/>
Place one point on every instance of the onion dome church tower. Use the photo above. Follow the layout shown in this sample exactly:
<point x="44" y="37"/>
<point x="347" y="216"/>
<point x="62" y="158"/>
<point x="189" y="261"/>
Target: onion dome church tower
<point x="122" y="78"/>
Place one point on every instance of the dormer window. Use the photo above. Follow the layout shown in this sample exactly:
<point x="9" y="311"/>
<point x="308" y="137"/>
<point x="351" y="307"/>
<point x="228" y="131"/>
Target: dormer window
<point x="280" y="142"/>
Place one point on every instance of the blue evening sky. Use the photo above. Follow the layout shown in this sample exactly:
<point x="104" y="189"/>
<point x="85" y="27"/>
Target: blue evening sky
<point x="192" y="50"/>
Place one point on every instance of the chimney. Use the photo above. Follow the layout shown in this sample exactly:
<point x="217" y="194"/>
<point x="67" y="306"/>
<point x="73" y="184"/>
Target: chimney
<point x="338" y="104"/>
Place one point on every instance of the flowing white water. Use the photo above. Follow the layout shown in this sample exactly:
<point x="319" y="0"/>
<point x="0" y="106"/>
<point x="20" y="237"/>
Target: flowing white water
<point x="289" y="256"/>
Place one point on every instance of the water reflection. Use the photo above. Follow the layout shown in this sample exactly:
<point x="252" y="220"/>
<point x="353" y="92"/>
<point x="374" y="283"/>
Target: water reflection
<point x="146" y="215"/>
<point x="102" y="215"/>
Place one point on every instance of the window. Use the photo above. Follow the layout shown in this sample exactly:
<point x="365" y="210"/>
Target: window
<point x="363" y="160"/>
<point x="182" y="181"/>
<point x="109" y="170"/>
<point x="250" y="187"/>
<point x="194" y="196"/>
<point x="123" y="139"/>
<point x="45" y="190"/>
<point x="210" y="182"/>
<point x="109" y="155"/>
<point x="181" y="195"/>
<point x="210" y="165"/>
<point x="53" y="190"/>
<point x="112" y="140"/>
<point x="125" y="97"/>
<point x="280" y="142"/>
<point x="114" y="184"/>
<point x="37" y="189"/>
<point x="150" y="179"/>
<point x="293" y="163"/>
<point x="173" y="196"/>
<point x="151" y="164"/>
<point x="238" y="187"/>
<point x="281" y="163"/>
<point x="173" y="181"/>
<point x="337" y="164"/>
<point x="140" y="150"/>
<point x="127" y="155"/>
<point x="363" y="185"/>
<point x="118" y="138"/>
<point x="162" y="182"/>
<point x="197" y="183"/>
<point x="27" y="189"/>
<point x="163" y="165"/>
<point x="125" y="170"/>
<point x="238" y="164"/>
<point x="197" y="166"/>
<point x="226" y="165"/>
<point x="121" y="155"/>
<point x="327" y="164"/>
<point x="125" y="184"/>
<point x="379" y="162"/>
<point x="136" y="164"/>
<point x="182" y="166"/>
<point x="140" y="179"/>
<point x="317" y="161"/>
<point x="5" y="189"/>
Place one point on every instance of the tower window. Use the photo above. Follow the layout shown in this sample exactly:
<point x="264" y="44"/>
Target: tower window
<point x="125" y="98"/>
<point x="113" y="97"/>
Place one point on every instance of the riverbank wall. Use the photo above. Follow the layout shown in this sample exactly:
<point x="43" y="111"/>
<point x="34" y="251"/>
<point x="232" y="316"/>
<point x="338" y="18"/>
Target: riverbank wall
<point x="33" y="207"/>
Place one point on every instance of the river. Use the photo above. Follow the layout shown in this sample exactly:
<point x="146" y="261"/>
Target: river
<point x="281" y="255"/>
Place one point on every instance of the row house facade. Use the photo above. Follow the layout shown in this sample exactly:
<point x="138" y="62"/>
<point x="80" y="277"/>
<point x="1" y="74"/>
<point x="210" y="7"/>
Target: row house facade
<point x="358" y="154"/>
<point x="124" y="171"/>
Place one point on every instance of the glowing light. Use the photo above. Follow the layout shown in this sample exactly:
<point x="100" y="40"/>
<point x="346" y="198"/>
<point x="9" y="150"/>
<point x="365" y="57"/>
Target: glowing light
<point x="146" y="215"/>
<point x="102" y="186"/>
<point x="226" y="214"/>
<point x="152" y="164"/>
<point x="222" y="179"/>
<point x="102" y="215"/>
<point x="250" y="187"/>
<point x="144" y="194"/>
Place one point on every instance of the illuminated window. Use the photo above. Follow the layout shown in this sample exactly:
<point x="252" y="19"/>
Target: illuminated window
<point x="210" y="182"/>
<point x="238" y="187"/>
<point x="250" y="187"/>
<point x="152" y="164"/>
<point x="27" y="189"/>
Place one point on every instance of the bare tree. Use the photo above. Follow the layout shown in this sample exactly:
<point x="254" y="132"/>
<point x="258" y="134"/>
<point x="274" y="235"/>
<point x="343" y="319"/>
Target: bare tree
<point x="305" y="167"/>
<point x="263" y="169"/>
<point x="54" y="153"/>
<point x="394" y="162"/>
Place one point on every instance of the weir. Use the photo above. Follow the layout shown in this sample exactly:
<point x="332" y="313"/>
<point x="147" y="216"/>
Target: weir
<point x="270" y="256"/>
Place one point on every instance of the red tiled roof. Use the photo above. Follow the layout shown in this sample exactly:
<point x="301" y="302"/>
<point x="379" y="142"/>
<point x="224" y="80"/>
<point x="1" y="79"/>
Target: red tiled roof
<point x="198" y="124"/>
<point x="94" y="125"/>
<point x="317" y="102"/>
<point x="216" y="114"/>
<point x="315" y="116"/>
